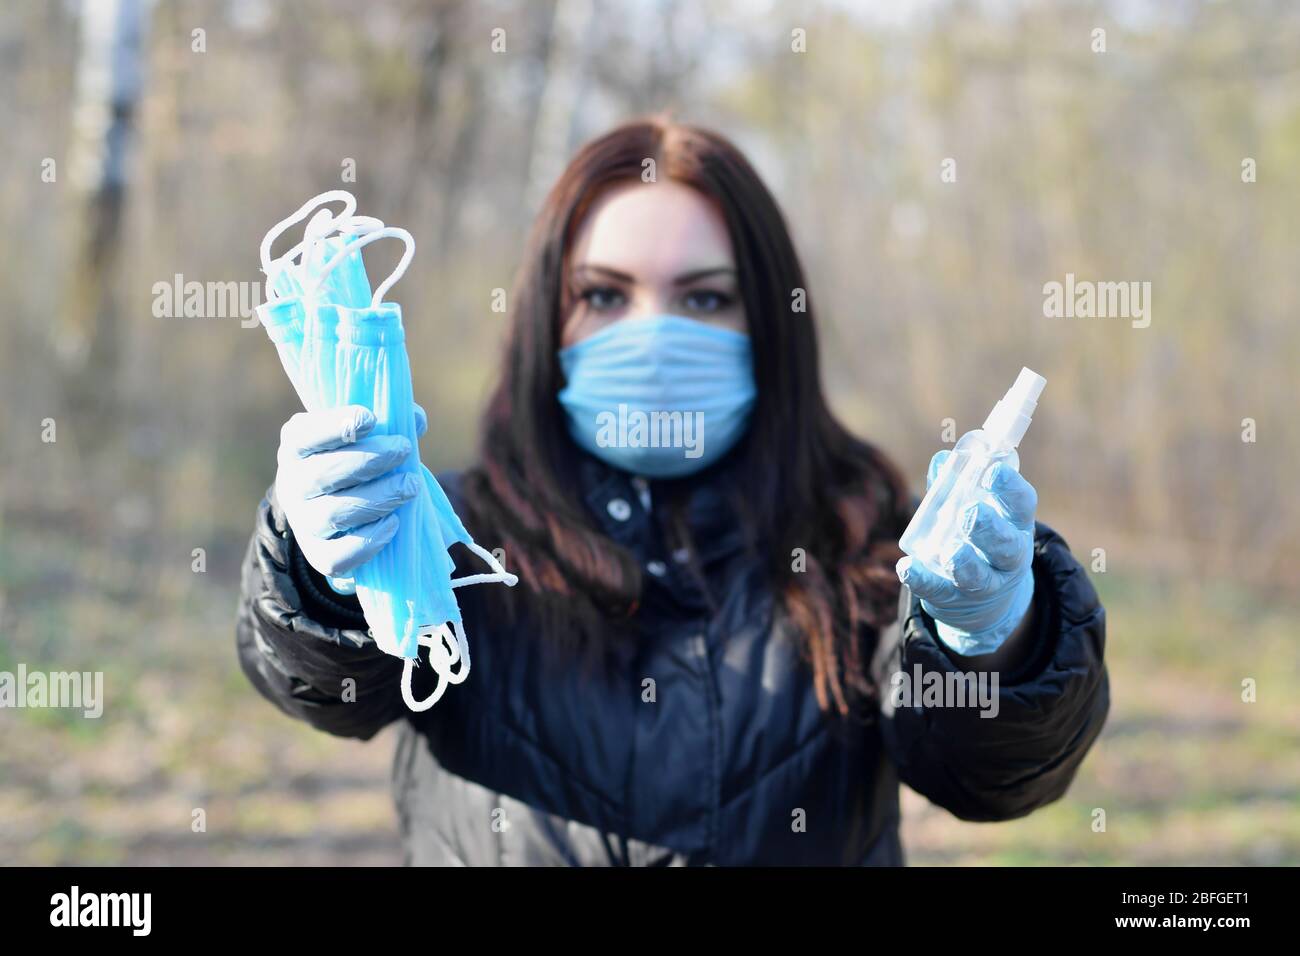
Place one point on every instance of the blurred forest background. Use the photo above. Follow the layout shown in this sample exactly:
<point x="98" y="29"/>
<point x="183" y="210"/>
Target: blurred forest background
<point x="1117" y="166"/>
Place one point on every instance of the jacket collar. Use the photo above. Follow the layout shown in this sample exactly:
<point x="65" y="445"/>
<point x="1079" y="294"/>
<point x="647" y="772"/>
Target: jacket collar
<point x="614" y="499"/>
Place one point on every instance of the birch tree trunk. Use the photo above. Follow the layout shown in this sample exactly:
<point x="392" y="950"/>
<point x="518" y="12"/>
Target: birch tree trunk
<point x="110" y="72"/>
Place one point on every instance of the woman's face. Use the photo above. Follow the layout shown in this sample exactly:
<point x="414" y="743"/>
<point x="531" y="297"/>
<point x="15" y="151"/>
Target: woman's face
<point x="650" y="248"/>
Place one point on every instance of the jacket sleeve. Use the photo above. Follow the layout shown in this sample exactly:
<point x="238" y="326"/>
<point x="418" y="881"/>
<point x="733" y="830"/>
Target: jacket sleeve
<point x="1049" y="710"/>
<point x="299" y="641"/>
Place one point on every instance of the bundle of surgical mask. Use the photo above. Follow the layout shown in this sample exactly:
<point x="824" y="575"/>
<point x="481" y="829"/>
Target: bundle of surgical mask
<point x="342" y="344"/>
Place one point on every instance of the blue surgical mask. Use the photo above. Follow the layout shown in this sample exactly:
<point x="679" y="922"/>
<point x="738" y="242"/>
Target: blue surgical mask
<point x="663" y="396"/>
<point x="341" y="344"/>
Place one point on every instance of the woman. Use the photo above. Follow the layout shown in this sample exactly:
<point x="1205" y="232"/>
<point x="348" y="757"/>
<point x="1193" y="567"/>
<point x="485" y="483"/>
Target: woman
<point x="700" y="662"/>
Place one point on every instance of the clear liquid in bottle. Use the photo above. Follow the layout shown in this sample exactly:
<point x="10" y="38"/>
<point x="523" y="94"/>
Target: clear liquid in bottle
<point x="935" y="532"/>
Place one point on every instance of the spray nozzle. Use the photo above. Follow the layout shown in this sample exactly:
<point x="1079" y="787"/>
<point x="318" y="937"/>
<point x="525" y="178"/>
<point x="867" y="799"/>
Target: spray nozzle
<point x="1010" y="417"/>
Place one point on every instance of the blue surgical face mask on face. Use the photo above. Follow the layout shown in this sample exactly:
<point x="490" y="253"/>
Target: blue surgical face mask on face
<point x="663" y="396"/>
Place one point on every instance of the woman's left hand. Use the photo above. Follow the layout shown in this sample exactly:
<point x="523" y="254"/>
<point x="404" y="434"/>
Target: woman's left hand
<point x="993" y="583"/>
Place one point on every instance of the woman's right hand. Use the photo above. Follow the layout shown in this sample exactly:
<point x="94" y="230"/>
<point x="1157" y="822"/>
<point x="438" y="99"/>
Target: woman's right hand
<point x="337" y="486"/>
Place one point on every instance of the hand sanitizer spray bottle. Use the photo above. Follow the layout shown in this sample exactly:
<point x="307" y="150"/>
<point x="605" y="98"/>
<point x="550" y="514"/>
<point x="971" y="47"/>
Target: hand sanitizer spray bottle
<point x="935" y="533"/>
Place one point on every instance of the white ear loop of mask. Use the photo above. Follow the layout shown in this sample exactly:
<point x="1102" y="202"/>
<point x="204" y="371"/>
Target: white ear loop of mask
<point x="312" y="286"/>
<point x="499" y="574"/>
<point x="447" y="646"/>
<point x="321" y="227"/>
<point x="443" y="656"/>
<point x="384" y="232"/>
<point x="334" y="195"/>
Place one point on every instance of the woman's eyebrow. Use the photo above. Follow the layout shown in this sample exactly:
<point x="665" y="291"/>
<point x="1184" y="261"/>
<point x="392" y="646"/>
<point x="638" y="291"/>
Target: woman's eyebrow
<point x="684" y="279"/>
<point x="695" y="275"/>
<point x="605" y="270"/>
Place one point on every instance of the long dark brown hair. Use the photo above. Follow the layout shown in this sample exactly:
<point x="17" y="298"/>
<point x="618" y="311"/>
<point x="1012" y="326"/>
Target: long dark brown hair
<point x="808" y="484"/>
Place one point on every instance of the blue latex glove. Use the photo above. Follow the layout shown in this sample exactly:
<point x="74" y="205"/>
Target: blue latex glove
<point x="994" y="583"/>
<point x="336" y="487"/>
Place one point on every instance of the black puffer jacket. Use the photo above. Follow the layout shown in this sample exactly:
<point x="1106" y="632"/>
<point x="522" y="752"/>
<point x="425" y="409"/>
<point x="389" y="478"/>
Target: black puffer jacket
<point x="532" y="762"/>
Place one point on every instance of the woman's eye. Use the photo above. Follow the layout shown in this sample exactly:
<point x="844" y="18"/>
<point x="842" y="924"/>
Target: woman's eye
<point x="705" y="300"/>
<point x="603" y="298"/>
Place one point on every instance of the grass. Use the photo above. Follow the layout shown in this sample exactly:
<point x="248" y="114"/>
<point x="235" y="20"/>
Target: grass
<point x="1186" y="772"/>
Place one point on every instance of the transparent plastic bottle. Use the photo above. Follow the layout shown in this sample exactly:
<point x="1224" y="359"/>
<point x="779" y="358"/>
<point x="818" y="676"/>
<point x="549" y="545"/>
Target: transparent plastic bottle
<point x="935" y="532"/>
